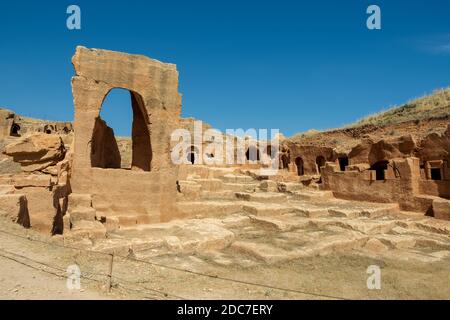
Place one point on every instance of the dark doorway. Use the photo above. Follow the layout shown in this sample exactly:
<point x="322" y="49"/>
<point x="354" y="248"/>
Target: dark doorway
<point x="192" y="154"/>
<point x="191" y="157"/>
<point x="343" y="162"/>
<point x="48" y="129"/>
<point x="15" y="130"/>
<point x="284" y="162"/>
<point x="252" y="154"/>
<point x="320" y="162"/>
<point x="299" y="165"/>
<point x="436" y="174"/>
<point x="380" y="168"/>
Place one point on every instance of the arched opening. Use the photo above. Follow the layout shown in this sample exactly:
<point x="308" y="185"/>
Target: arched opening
<point x="343" y="162"/>
<point x="380" y="168"/>
<point x="48" y="129"/>
<point x="15" y="130"/>
<point x="284" y="163"/>
<point x="320" y="162"/>
<point x="191" y="157"/>
<point x="252" y="153"/>
<point x="299" y="165"/>
<point x="118" y="123"/>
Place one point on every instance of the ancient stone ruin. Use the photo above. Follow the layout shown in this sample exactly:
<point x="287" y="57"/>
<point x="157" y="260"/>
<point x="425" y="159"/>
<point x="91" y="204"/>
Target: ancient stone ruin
<point x="71" y="181"/>
<point x="13" y="125"/>
<point x="414" y="173"/>
<point x="145" y="193"/>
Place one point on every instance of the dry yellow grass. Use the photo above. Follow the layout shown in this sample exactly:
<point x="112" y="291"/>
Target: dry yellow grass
<point x="434" y="106"/>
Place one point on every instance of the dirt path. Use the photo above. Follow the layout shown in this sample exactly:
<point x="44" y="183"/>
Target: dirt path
<point x="36" y="270"/>
<point x="20" y="281"/>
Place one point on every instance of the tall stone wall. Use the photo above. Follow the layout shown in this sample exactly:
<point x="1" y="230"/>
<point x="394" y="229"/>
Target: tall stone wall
<point x="401" y="184"/>
<point x="296" y="155"/>
<point x="149" y="188"/>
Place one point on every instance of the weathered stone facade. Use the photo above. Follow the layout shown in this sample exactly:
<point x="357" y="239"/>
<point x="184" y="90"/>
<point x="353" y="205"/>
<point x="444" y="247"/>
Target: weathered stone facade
<point x="399" y="170"/>
<point x="83" y="181"/>
<point x="13" y="125"/>
<point x="146" y="192"/>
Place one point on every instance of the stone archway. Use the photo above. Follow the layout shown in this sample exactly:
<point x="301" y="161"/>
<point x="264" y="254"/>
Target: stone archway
<point x="149" y="189"/>
<point x="104" y="149"/>
<point x="49" y="129"/>
<point x="252" y="153"/>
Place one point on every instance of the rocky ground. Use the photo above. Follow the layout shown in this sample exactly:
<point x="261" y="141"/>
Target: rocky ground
<point x="301" y="244"/>
<point x="18" y="281"/>
<point x="343" y="140"/>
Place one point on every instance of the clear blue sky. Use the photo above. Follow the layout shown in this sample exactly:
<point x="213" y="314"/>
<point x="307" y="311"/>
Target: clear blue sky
<point x="292" y="65"/>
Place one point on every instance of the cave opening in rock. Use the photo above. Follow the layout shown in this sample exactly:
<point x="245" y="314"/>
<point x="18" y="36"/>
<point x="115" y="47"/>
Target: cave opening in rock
<point x="48" y="129"/>
<point x="436" y="174"/>
<point x="343" y="162"/>
<point x="192" y="154"/>
<point x="121" y="135"/>
<point x="299" y="165"/>
<point x="380" y="168"/>
<point x="191" y="157"/>
<point x="15" y="130"/>
<point x="252" y="153"/>
<point x="284" y="163"/>
<point x="269" y="150"/>
<point x="320" y="162"/>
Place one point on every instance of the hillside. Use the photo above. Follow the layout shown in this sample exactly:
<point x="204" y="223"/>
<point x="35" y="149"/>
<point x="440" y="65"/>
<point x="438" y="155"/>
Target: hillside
<point x="417" y="117"/>
<point x="434" y="106"/>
